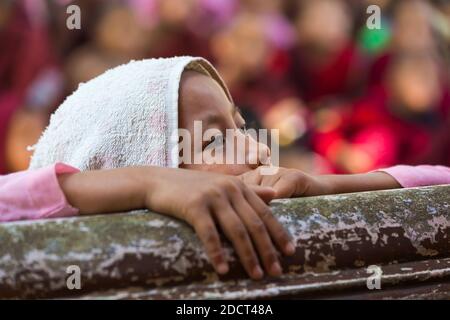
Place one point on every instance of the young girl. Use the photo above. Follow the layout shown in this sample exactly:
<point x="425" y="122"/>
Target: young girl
<point x="126" y="118"/>
<point x="130" y="116"/>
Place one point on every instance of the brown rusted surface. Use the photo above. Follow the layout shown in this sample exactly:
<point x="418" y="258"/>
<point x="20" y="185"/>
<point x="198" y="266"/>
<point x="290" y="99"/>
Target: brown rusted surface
<point x="147" y="255"/>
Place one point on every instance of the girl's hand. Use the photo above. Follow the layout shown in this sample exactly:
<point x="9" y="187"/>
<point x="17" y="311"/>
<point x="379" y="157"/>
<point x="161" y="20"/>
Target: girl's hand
<point x="209" y="202"/>
<point x="289" y="183"/>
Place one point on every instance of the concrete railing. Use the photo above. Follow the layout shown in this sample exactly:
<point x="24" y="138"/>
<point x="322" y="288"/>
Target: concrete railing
<point x="146" y="255"/>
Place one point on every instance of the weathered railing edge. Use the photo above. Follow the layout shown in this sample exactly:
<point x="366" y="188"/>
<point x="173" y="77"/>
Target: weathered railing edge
<point x="145" y="211"/>
<point x="396" y="281"/>
<point x="279" y="206"/>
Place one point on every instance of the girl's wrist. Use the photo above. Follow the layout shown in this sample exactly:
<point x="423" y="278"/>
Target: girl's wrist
<point x="145" y="180"/>
<point x="150" y="182"/>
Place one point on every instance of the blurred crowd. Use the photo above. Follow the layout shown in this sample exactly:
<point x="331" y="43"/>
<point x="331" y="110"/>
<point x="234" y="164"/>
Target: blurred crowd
<point x="345" y="98"/>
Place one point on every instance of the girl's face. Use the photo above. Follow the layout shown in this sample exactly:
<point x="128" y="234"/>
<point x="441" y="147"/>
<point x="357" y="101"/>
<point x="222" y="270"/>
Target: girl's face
<point x="202" y="99"/>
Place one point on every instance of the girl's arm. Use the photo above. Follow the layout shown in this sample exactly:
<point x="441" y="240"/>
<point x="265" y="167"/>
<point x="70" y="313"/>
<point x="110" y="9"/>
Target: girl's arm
<point x="388" y="178"/>
<point x="209" y="202"/>
<point x="345" y="183"/>
<point x="295" y="183"/>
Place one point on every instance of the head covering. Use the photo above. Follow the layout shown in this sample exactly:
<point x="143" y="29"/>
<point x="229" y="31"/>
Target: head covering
<point x="126" y="116"/>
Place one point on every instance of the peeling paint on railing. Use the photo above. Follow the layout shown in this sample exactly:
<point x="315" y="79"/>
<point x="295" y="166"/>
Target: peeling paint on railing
<point x="146" y="252"/>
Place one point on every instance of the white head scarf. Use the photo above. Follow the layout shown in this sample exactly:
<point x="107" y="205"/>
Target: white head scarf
<point x="126" y="116"/>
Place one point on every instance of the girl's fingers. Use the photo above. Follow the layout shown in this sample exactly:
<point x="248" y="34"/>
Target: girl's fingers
<point x="251" y="177"/>
<point x="269" y="180"/>
<point x="267" y="194"/>
<point x="237" y="233"/>
<point x="278" y="233"/>
<point x="207" y="232"/>
<point x="259" y="234"/>
<point x="284" y="189"/>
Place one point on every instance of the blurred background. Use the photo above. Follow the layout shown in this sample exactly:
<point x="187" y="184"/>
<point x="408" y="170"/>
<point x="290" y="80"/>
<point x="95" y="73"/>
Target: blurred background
<point x="345" y="98"/>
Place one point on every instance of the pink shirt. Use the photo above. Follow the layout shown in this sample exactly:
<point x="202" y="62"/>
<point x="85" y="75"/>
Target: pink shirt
<point x="419" y="176"/>
<point x="34" y="194"/>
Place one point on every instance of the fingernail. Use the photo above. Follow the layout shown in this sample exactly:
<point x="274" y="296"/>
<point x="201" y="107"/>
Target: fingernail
<point x="257" y="272"/>
<point x="222" y="268"/>
<point x="276" y="269"/>
<point x="290" y="248"/>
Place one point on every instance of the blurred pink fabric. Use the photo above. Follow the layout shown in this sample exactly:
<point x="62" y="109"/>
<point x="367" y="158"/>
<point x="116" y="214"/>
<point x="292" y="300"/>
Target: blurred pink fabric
<point x="419" y="176"/>
<point x="34" y="194"/>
